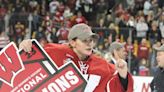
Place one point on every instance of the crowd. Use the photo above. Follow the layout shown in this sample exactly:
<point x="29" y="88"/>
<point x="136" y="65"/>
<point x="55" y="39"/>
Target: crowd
<point x="137" y="23"/>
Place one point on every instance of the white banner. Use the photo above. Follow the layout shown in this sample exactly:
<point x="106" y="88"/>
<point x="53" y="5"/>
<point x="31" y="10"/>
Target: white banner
<point x="142" y="84"/>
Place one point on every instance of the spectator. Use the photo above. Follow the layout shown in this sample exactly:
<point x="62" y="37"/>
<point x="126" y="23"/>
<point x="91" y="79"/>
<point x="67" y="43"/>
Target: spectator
<point x="101" y="8"/>
<point x="79" y="18"/>
<point x="53" y="6"/>
<point x="4" y="40"/>
<point x="154" y="34"/>
<point x="141" y="28"/>
<point x="118" y="55"/>
<point x="62" y="34"/>
<point x="36" y="20"/>
<point x="161" y="25"/>
<point x="131" y="3"/>
<point x="33" y="5"/>
<point x="20" y="31"/>
<point x="123" y="30"/>
<point x="157" y="82"/>
<point x="108" y="20"/>
<point x="143" y="50"/>
<point x="147" y="7"/>
<point x="129" y="46"/>
<point x="153" y="62"/>
<point x="143" y="69"/>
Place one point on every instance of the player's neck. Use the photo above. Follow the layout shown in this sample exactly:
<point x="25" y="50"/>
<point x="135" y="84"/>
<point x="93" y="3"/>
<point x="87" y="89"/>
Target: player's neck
<point x="81" y="56"/>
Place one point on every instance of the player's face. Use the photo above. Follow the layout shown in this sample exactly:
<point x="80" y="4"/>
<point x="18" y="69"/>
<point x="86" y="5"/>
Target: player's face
<point x="122" y="53"/>
<point x="160" y="58"/>
<point x="84" y="47"/>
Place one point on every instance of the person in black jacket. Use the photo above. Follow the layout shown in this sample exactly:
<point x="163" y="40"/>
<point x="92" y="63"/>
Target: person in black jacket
<point x="157" y="84"/>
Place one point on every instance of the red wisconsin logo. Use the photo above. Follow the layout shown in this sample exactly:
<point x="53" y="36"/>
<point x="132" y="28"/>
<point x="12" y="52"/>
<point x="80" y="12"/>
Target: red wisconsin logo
<point x="10" y="64"/>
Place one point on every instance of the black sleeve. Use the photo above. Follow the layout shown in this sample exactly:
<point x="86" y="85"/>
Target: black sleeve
<point x="152" y="85"/>
<point x="124" y="82"/>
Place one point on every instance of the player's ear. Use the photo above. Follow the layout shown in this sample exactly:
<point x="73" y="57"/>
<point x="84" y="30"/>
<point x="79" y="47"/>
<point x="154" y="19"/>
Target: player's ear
<point x="116" y="54"/>
<point x="72" y="43"/>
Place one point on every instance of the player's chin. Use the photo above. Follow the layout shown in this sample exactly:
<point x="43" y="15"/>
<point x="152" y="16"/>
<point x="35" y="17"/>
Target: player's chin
<point x="125" y="57"/>
<point x="159" y="65"/>
<point x="88" y="52"/>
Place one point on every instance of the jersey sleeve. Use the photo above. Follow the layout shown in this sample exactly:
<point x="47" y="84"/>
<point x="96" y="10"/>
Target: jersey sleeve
<point x="55" y="53"/>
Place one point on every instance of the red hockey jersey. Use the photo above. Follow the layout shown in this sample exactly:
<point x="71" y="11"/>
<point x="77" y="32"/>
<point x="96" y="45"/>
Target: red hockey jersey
<point x="99" y="72"/>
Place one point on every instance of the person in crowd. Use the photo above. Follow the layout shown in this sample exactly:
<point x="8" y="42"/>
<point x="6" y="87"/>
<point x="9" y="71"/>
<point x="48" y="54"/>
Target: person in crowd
<point x="157" y="84"/>
<point x="143" y="50"/>
<point x="118" y="55"/>
<point x="80" y="50"/>
<point x="4" y="40"/>
<point x="141" y="28"/>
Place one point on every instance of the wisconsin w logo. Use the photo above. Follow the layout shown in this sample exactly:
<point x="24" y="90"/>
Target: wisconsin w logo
<point x="10" y="64"/>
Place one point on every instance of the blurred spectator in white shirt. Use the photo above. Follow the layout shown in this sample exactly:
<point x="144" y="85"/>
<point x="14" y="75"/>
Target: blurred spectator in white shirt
<point x="131" y="3"/>
<point x="161" y="25"/>
<point x="4" y="40"/>
<point x="147" y="7"/>
<point x="141" y="28"/>
<point x="53" y="6"/>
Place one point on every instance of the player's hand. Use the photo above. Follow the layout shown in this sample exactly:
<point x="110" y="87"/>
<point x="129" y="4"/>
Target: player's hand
<point x="26" y="45"/>
<point x="121" y="66"/>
